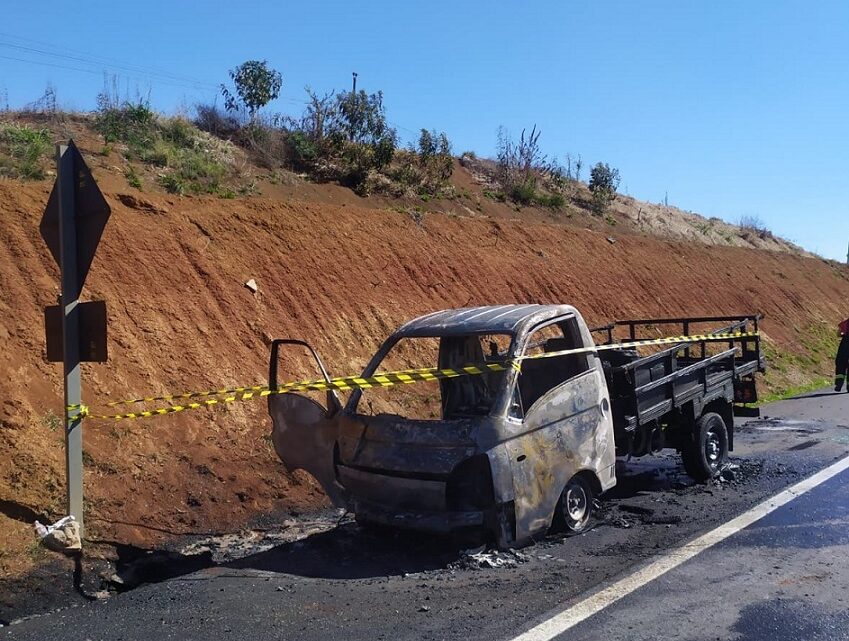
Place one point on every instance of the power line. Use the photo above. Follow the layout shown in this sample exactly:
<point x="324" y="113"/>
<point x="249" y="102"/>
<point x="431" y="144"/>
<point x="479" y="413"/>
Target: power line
<point x="139" y="71"/>
<point x="91" y="59"/>
<point x="93" y="72"/>
<point x="166" y="79"/>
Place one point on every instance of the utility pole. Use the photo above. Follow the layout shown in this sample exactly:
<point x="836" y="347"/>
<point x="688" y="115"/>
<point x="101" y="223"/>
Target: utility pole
<point x="353" y="101"/>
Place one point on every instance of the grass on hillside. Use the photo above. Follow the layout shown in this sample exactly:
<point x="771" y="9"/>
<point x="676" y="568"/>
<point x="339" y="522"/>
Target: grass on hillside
<point x="793" y="372"/>
<point x="24" y="151"/>
<point x="792" y="392"/>
<point x="188" y="160"/>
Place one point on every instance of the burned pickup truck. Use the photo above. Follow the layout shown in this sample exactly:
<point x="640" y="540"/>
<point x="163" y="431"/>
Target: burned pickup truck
<point x="527" y="433"/>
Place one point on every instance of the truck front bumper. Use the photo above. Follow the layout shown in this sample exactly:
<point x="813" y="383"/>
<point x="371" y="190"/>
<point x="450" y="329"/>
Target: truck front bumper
<point x="436" y="522"/>
<point x="410" y="503"/>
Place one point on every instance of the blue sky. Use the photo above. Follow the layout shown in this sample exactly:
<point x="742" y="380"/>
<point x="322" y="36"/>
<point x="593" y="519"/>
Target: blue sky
<point x="732" y="108"/>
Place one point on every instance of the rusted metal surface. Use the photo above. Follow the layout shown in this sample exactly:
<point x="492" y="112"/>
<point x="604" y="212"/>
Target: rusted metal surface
<point x="500" y="470"/>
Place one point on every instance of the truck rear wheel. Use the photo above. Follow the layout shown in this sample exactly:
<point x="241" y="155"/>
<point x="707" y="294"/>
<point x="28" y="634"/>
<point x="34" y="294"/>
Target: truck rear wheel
<point x="575" y="506"/>
<point x="708" y="451"/>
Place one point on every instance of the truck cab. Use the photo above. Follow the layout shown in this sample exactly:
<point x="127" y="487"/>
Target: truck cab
<point x="507" y="453"/>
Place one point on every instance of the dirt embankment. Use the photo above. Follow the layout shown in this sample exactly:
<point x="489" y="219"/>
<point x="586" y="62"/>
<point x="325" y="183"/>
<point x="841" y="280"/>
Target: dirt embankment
<point x="173" y="271"/>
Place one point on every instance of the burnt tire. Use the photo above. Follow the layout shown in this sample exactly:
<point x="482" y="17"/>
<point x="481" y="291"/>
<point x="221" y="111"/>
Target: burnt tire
<point x="704" y="457"/>
<point x="575" y="506"/>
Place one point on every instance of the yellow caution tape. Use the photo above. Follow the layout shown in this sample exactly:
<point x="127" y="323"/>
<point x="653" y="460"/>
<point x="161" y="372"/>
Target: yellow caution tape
<point x="695" y="338"/>
<point x="171" y="397"/>
<point x="386" y="379"/>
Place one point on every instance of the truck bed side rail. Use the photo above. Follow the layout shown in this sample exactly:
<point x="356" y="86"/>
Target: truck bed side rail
<point x="749" y="361"/>
<point x="650" y="386"/>
<point x="726" y="323"/>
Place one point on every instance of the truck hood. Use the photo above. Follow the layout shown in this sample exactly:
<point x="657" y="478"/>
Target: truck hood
<point x="393" y="444"/>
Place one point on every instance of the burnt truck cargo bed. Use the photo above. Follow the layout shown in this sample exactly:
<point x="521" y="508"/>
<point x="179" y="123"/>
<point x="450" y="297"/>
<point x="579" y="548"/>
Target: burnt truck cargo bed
<point x="650" y="394"/>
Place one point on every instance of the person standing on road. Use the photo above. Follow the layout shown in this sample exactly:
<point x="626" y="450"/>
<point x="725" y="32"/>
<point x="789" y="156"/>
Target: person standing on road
<point x="841" y="361"/>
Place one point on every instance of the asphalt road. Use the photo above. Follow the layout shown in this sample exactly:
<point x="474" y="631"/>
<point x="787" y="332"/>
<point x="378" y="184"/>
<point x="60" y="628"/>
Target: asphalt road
<point x="783" y="577"/>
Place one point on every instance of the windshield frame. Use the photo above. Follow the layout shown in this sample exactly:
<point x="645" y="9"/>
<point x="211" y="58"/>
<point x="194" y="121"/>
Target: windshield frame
<point x="499" y="404"/>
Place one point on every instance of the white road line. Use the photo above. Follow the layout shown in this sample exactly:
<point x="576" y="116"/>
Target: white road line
<point x="596" y="602"/>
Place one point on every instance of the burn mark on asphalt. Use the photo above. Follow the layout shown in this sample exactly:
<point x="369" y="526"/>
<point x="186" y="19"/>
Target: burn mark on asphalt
<point x="789" y="619"/>
<point x="802" y="446"/>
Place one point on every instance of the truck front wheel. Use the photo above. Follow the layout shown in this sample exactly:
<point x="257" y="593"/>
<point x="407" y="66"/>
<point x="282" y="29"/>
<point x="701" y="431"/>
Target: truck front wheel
<point x="575" y="506"/>
<point x="708" y="451"/>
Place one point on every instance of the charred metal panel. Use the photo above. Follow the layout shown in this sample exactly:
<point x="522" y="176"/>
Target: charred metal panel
<point x="439" y="522"/>
<point x="394" y="492"/>
<point x="502" y="473"/>
<point x="395" y="444"/>
<point x="565" y="432"/>
<point x="477" y="320"/>
<point x="304" y="438"/>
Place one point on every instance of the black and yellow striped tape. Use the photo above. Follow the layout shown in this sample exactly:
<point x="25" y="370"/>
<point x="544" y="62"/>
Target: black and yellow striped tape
<point x="171" y="397"/>
<point x="387" y="379"/>
<point x="694" y="338"/>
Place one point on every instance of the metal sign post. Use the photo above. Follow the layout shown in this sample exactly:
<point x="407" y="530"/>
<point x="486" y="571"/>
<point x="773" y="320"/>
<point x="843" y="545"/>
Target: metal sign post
<point x="70" y="330"/>
<point x="73" y="222"/>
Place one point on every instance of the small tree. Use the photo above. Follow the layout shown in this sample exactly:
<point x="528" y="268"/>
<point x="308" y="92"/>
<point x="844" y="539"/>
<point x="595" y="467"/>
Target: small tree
<point x="604" y="181"/>
<point x="358" y="129"/>
<point x="255" y="84"/>
<point x="359" y="117"/>
<point x="318" y="111"/>
<point x="435" y="158"/>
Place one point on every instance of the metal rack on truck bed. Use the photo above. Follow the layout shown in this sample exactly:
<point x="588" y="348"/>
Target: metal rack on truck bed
<point x="660" y="400"/>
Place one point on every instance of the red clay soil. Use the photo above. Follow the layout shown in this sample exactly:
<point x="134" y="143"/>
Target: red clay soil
<point x="173" y="271"/>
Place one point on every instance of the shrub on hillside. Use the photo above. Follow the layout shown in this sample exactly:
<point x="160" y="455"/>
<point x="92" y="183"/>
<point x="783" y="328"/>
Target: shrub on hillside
<point x="359" y="117"/>
<point x="360" y="134"/>
<point x="525" y="173"/>
<point x="604" y="181"/>
<point x="212" y="120"/>
<point x="193" y="172"/>
<point x="132" y="123"/>
<point x="303" y="151"/>
<point x="753" y="225"/>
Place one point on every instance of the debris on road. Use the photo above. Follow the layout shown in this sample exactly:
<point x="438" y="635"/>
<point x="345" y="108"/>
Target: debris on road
<point x="63" y="536"/>
<point x="738" y="472"/>
<point x="229" y="547"/>
<point x="494" y="559"/>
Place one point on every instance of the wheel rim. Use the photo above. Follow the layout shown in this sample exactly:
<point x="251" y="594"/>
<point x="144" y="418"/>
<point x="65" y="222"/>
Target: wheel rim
<point x="713" y="448"/>
<point x="576" y="503"/>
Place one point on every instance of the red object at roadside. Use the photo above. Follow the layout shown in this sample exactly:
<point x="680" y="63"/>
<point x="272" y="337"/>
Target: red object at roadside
<point x="843" y="328"/>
